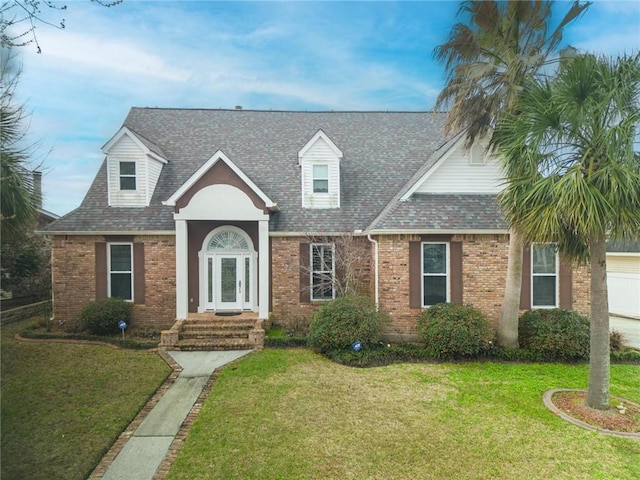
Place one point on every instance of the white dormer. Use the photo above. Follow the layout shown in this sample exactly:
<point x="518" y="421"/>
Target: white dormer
<point x="319" y="160"/>
<point x="461" y="170"/>
<point x="133" y="169"/>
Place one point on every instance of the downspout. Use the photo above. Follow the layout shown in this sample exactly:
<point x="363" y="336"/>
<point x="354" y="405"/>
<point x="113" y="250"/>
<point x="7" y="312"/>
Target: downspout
<point x="375" y="270"/>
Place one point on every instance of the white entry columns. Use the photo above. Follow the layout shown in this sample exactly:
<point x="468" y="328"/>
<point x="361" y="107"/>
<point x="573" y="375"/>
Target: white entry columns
<point x="182" y="271"/>
<point x="263" y="269"/>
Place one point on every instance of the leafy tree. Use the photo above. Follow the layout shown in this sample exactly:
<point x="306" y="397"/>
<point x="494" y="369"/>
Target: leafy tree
<point x="26" y="15"/>
<point x="575" y="177"/>
<point x="487" y="61"/>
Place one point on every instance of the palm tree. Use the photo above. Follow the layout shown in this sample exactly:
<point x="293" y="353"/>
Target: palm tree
<point x="17" y="200"/>
<point x="487" y="63"/>
<point x="575" y="177"/>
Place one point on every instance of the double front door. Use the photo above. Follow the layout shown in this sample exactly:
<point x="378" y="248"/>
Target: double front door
<point x="229" y="281"/>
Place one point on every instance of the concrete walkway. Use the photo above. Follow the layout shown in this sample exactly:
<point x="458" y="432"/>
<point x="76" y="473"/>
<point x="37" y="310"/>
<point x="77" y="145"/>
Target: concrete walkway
<point x="628" y="327"/>
<point x="144" y="451"/>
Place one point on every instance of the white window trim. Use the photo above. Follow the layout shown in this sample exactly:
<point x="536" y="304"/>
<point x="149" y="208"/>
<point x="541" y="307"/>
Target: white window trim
<point x="127" y="175"/>
<point x="109" y="271"/>
<point x="312" y="271"/>
<point x="423" y="274"/>
<point x="556" y="275"/>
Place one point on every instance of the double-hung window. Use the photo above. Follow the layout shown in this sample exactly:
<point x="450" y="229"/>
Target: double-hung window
<point x="544" y="275"/>
<point x="127" y="175"/>
<point x="435" y="273"/>
<point x="322" y="271"/>
<point x="320" y="178"/>
<point x="120" y="263"/>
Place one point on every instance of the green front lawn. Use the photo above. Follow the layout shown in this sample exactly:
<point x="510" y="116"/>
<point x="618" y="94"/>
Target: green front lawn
<point x="63" y="405"/>
<point x="292" y="414"/>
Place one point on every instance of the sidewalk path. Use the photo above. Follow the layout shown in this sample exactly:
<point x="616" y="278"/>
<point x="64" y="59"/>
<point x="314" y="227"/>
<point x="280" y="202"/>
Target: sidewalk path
<point x="628" y="327"/>
<point x="146" y="448"/>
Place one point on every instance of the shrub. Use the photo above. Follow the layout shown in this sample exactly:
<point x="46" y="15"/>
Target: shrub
<point x="617" y="340"/>
<point x="101" y="317"/>
<point x="556" y="334"/>
<point x="451" y="331"/>
<point x="340" y="322"/>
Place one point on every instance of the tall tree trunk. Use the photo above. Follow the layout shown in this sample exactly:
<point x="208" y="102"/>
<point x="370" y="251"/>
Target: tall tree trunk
<point x="598" y="391"/>
<point x="508" y="325"/>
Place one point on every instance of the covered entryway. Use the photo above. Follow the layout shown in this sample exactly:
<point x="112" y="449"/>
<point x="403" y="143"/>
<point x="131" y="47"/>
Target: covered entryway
<point x="231" y="266"/>
<point x="227" y="266"/>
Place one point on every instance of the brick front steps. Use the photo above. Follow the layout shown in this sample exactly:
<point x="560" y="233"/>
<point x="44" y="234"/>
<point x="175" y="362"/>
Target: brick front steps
<point x="206" y="331"/>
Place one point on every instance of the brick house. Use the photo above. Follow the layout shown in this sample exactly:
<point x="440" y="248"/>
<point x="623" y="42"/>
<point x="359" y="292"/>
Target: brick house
<point x="203" y="212"/>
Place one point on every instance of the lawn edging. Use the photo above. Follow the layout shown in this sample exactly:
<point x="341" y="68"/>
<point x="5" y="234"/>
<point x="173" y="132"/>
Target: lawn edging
<point x="548" y="402"/>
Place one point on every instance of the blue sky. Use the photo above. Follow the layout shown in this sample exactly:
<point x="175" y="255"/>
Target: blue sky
<point x="261" y="55"/>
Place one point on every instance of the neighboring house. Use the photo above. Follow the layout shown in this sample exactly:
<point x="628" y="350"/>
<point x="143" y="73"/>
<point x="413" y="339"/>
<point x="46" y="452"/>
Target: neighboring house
<point x="43" y="218"/>
<point x="235" y="210"/>
<point x="623" y="278"/>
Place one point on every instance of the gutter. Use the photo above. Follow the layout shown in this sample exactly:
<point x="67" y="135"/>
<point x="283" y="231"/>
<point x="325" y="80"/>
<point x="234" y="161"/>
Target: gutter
<point x="375" y="271"/>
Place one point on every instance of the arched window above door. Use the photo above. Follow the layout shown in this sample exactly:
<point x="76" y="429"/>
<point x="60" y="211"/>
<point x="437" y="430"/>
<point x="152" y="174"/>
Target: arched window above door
<point x="228" y="240"/>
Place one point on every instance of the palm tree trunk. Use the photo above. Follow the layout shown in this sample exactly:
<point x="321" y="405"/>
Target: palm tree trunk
<point x="508" y="326"/>
<point x="598" y="390"/>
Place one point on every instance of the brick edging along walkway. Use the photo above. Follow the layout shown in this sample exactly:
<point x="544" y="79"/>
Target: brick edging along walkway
<point x="181" y="436"/>
<point x="122" y="439"/>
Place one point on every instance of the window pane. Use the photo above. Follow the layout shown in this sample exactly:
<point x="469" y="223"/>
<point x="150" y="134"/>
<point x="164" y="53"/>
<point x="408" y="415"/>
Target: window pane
<point x="322" y="286"/>
<point x="210" y="280"/>
<point x="435" y="290"/>
<point x="544" y="258"/>
<point x="247" y="280"/>
<point x="228" y="279"/>
<point x="127" y="183"/>
<point x="121" y="285"/>
<point x="434" y="258"/>
<point x="544" y="291"/>
<point x="120" y="258"/>
<point x="321" y="171"/>
<point x="127" y="168"/>
<point x="321" y="186"/>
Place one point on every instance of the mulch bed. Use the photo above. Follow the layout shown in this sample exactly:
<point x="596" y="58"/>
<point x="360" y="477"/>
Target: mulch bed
<point x="573" y="404"/>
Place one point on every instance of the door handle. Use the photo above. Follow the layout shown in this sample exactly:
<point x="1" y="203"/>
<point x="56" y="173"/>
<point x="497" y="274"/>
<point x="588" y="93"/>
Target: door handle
<point x="239" y="286"/>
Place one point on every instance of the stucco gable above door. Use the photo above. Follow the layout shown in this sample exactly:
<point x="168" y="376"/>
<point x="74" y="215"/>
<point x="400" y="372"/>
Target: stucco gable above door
<point x="219" y="189"/>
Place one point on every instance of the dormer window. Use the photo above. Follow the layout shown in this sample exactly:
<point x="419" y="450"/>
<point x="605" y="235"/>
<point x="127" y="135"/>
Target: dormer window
<point x="127" y="175"/>
<point x="319" y="162"/>
<point x="133" y="169"/>
<point x="321" y="179"/>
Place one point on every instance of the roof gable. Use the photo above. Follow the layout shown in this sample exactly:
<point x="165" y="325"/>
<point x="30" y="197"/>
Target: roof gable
<point x="219" y="156"/>
<point x="320" y="136"/>
<point x="145" y="145"/>
<point x="458" y="170"/>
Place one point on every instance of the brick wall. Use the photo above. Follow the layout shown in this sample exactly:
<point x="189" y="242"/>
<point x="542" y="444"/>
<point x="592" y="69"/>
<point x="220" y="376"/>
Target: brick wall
<point x="484" y="268"/>
<point x="73" y="276"/>
<point x="73" y="266"/>
<point x="286" y="271"/>
<point x="581" y="289"/>
<point x="393" y="283"/>
<point x="159" y="309"/>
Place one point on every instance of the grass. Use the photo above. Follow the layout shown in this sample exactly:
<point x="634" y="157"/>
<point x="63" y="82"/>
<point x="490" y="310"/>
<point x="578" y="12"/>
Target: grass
<point x="292" y="414"/>
<point x="63" y="405"/>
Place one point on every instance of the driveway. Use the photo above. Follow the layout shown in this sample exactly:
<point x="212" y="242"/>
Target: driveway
<point x="628" y="327"/>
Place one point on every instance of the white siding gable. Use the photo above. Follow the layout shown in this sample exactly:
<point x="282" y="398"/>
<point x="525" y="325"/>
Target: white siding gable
<point x="463" y="171"/>
<point x="320" y="151"/>
<point x="124" y="147"/>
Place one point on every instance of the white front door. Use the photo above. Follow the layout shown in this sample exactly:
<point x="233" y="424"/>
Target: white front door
<point x="228" y="281"/>
<point x="229" y="278"/>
